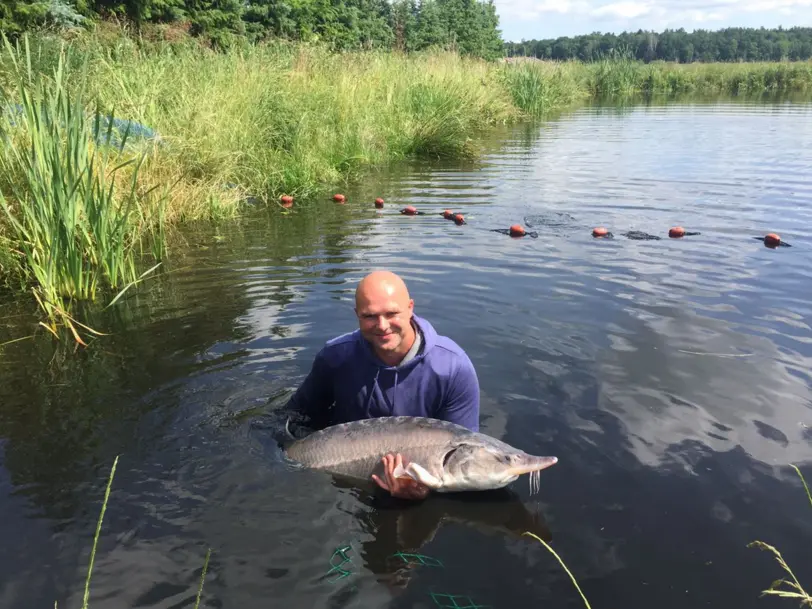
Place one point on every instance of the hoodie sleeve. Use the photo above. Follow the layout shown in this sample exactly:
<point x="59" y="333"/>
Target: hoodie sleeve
<point x="461" y="405"/>
<point x="314" y="397"/>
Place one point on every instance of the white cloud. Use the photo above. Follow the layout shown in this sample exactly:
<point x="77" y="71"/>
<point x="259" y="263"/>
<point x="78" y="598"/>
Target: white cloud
<point x="626" y="10"/>
<point x="532" y="9"/>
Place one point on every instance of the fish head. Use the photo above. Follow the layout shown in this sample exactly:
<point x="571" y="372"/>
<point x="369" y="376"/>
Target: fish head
<point x="482" y="466"/>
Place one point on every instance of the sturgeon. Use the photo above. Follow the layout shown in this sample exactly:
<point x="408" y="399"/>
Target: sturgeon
<point x="444" y="456"/>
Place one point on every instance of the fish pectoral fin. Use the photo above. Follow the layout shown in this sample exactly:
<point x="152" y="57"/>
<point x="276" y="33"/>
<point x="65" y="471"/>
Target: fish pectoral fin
<point x="403" y="472"/>
<point x="417" y="472"/>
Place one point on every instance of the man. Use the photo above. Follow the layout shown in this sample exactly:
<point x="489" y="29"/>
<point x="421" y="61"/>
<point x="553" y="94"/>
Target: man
<point x="394" y="364"/>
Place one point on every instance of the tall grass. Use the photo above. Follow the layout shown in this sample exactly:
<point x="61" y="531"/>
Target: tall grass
<point x="74" y="232"/>
<point x="618" y="77"/>
<point x="613" y="77"/>
<point x="282" y="119"/>
<point x="538" y="88"/>
<point x="786" y="588"/>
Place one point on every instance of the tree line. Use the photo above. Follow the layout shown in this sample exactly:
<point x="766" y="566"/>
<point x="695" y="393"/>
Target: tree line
<point x="469" y="26"/>
<point x="726" y="45"/>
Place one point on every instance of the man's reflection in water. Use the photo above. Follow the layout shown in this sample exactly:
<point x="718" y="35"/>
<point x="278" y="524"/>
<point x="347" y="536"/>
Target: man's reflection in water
<point x="400" y="526"/>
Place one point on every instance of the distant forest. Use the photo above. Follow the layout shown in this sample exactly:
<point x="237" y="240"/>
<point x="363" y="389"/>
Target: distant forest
<point x="730" y="44"/>
<point x="468" y="26"/>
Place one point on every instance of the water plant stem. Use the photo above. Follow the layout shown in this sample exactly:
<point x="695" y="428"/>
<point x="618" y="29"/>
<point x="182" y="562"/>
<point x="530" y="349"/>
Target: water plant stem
<point x="792" y="589"/>
<point x="561" y="562"/>
<point x="86" y="597"/>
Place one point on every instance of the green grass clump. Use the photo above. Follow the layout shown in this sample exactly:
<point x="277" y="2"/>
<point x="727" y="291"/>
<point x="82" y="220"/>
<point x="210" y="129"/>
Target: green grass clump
<point x="537" y="88"/>
<point x="65" y="217"/>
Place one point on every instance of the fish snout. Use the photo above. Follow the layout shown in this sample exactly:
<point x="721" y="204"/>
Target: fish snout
<point x="525" y="464"/>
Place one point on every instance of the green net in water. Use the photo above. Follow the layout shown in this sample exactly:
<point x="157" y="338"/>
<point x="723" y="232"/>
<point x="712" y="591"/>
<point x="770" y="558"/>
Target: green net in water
<point x="340" y="563"/>
<point x="455" y="601"/>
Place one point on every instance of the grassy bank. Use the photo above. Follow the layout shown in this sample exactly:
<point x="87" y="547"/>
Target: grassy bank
<point x="255" y="121"/>
<point x="259" y="121"/>
<point x="623" y="77"/>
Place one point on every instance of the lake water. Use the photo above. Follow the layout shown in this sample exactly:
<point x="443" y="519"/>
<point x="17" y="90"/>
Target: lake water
<point x="671" y="378"/>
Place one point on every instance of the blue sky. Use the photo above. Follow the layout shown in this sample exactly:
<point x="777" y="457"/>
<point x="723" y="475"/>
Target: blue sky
<point x="538" y="19"/>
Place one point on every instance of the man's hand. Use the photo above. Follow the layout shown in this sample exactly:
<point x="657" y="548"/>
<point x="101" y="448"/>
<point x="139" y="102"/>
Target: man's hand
<point x="404" y="488"/>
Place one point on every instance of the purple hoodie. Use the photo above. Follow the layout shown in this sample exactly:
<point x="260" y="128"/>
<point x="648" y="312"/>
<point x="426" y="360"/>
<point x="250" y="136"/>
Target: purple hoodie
<point x="438" y="382"/>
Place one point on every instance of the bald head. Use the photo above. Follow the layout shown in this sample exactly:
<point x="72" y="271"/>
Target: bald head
<point x="381" y="283"/>
<point x="384" y="309"/>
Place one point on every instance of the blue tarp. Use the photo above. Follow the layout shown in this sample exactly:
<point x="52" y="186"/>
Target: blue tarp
<point x="135" y="131"/>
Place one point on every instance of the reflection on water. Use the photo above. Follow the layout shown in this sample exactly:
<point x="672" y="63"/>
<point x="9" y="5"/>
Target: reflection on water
<point x="671" y="377"/>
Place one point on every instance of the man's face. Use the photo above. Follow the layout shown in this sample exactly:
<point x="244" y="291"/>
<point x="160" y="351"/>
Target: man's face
<point x="384" y="318"/>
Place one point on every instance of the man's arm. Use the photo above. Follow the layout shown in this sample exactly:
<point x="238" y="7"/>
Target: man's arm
<point x="462" y="402"/>
<point x="314" y="397"/>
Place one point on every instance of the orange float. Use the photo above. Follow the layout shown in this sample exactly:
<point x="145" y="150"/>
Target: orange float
<point x="448" y="214"/>
<point x="459" y="219"/>
<point x="675" y="232"/>
<point x="772" y="240"/>
<point x="339" y="198"/>
<point x="287" y="201"/>
<point x="378" y="202"/>
<point x="600" y="231"/>
<point x="409" y="210"/>
<point x="517" y="230"/>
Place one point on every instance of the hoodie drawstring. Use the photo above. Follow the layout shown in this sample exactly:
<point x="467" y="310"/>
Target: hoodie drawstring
<point x="375" y="386"/>
<point x="395" y="392"/>
<point x="371" y="395"/>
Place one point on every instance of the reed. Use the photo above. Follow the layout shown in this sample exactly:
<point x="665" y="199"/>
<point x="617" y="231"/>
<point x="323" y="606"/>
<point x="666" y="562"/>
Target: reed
<point x="537" y="88"/>
<point x="86" y="597"/>
<point x="73" y="229"/>
<point x="786" y="588"/>
<point x="620" y="77"/>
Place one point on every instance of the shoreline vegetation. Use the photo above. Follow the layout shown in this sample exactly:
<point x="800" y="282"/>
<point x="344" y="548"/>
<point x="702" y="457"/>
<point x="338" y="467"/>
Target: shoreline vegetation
<point x="87" y="215"/>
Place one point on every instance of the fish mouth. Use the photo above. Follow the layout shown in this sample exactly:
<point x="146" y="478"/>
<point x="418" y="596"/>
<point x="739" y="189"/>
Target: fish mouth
<point x="533" y="464"/>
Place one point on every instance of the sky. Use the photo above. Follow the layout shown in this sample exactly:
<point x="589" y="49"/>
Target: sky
<point x="537" y="19"/>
